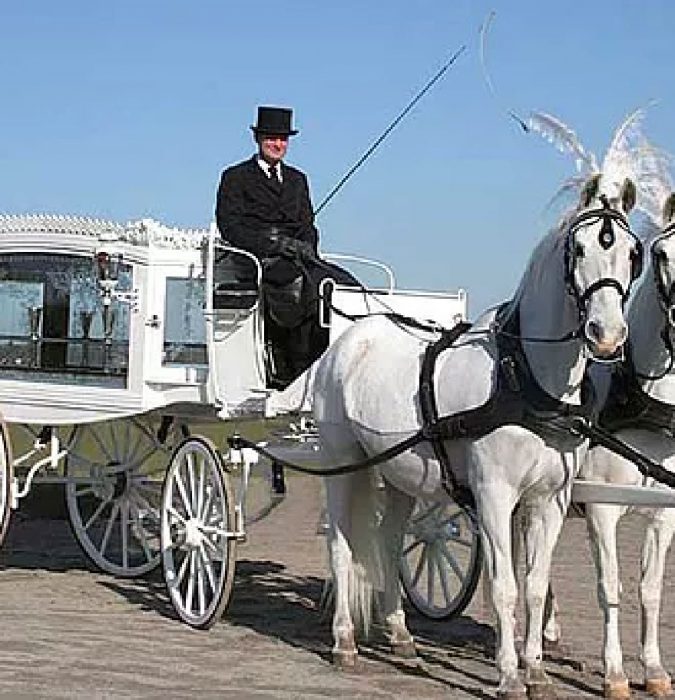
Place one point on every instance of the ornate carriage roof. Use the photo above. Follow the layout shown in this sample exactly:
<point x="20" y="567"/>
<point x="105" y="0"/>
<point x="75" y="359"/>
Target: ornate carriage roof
<point x="144" y="232"/>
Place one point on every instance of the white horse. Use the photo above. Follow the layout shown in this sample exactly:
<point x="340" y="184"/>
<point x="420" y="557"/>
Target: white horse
<point x="367" y="399"/>
<point x="645" y="407"/>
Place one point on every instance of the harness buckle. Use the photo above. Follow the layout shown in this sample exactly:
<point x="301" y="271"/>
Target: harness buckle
<point x="508" y="367"/>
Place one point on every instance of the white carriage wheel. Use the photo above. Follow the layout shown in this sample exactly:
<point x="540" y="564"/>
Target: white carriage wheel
<point x="116" y="470"/>
<point x="6" y="474"/>
<point x="441" y="560"/>
<point x="197" y="528"/>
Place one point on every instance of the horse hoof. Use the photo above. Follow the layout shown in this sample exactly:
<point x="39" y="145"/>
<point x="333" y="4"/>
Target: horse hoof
<point x="512" y="689"/>
<point x="404" y="650"/>
<point x="659" y="687"/>
<point x="616" y="689"/>
<point x="541" y="691"/>
<point x="344" y="660"/>
<point x="539" y="686"/>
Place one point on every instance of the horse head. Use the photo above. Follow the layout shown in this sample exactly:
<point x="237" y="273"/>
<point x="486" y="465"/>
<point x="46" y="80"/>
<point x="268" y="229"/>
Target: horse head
<point x="603" y="258"/>
<point x="662" y="253"/>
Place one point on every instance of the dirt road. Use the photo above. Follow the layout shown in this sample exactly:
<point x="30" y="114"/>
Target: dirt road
<point x="68" y="631"/>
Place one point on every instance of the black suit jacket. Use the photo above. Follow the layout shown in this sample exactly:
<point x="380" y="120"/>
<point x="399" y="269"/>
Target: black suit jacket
<point x="250" y="205"/>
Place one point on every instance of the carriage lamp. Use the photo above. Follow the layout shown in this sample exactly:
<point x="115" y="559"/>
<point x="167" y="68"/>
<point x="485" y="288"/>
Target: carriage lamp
<point x="108" y="266"/>
<point x="34" y="317"/>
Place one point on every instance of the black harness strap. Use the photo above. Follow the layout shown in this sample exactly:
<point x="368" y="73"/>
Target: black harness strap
<point x="629" y="406"/>
<point x="432" y="424"/>
<point x="517" y="400"/>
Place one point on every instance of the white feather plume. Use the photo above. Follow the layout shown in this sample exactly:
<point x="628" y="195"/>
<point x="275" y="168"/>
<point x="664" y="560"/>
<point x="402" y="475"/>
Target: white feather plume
<point x="564" y="139"/>
<point x="629" y="155"/>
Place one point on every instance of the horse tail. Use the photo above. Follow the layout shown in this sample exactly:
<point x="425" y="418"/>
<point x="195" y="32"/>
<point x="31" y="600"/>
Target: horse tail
<point x="366" y="575"/>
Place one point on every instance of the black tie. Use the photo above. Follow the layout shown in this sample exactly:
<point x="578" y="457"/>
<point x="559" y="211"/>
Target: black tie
<point x="274" y="177"/>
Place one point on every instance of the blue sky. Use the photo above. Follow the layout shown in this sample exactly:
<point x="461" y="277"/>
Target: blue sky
<point x="130" y="109"/>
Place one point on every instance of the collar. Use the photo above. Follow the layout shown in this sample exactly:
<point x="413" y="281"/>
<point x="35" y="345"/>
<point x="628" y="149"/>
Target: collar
<point x="266" y="167"/>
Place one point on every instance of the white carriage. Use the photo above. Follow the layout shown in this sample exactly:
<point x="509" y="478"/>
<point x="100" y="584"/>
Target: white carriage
<point x="117" y="342"/>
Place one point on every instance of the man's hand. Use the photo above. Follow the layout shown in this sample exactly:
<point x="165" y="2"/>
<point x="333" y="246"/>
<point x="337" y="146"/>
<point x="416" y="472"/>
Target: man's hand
<point x="288" y="247"/>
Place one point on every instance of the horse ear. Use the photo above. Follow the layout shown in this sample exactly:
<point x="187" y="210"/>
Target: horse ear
<point x="590" y="191"/>
<point x="628" y="195"/>
<point x="669" y="208"/>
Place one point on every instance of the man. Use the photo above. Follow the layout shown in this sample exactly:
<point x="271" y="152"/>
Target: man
<point x="264" y="207"/>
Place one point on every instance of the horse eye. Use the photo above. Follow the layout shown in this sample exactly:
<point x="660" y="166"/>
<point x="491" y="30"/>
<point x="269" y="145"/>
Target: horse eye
<point x="661" y="256"/>
<point x="578" y="251"/>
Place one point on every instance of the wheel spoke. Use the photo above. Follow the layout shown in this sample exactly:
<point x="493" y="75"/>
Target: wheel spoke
<point x="201" y="597"/>
<point x="109" y="527"/>
<point x="124" y="530"/>
<point x="430" y="579"/>
<point x="190" y="463"/>
<point x="200" y="487"/>
<point x="453" y="564"/>
<point x="443" y="574"/>
<point x="420" y="565"/>
<point x="101" y="446"/>
<point x="420" y="517"/>
<point x="181" y="572"/>
<point x="181" y="488"/>
<point x="189" y="593"/>
<point x="175" y="514"/>
<point x="96" y="513"/>
<point x="206" y="506"/>
<point x="208" y="567"/>
<point x="212" y="530"/>
<point x="412" y="546"/>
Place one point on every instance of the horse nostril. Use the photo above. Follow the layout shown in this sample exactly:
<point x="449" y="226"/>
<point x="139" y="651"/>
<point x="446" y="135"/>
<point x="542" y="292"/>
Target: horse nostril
<point x="593" y="330"/>
<point x="623" y="334"/>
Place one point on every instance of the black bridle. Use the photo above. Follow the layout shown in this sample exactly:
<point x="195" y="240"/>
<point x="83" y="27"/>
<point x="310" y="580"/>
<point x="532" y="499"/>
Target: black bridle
<point x="666" y="299"/>
<point x="607" y="238"/>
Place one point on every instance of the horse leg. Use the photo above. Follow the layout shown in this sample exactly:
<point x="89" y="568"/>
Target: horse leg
<point x="338" y="495"/>
<point x="544" y="521"/>
<point x="657" y="541"/>
<point x="398" y="508"/>
<point x="495" y="509"/>
<point x="602" y="520"/>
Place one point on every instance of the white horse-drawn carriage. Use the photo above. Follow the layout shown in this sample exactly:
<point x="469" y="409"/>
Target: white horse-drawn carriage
<point x="119" y="345"/>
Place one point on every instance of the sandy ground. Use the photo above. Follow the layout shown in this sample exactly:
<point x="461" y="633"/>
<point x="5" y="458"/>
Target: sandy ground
<point x="68" y="631"/>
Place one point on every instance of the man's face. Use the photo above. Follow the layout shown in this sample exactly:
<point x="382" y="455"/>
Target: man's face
<point x="273" y="147"/>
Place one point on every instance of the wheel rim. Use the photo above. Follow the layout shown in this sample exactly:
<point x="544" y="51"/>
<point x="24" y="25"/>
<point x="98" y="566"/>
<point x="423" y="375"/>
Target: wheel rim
<point x="197" y="519"/>
<point x="114" y="506"/>
<point x="441" y="559"/>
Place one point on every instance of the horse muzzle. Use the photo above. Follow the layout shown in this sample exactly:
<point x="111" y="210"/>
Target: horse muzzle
<point x="605" y="345"/>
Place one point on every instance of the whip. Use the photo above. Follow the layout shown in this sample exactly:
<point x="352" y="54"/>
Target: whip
<point x="389" y="129"/>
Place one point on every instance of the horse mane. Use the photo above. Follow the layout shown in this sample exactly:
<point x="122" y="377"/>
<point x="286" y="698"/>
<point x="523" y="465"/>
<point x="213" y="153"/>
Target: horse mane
<point x="537" y="267"/>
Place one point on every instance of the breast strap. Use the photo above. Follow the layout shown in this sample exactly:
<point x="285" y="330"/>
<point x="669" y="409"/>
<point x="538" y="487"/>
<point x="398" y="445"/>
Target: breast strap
<point x="628" y="405"/>
<point x="517" y="400"/>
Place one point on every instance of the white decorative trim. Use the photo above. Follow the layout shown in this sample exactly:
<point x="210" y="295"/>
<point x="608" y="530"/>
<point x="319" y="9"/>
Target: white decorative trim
<point x="145" y="232"/>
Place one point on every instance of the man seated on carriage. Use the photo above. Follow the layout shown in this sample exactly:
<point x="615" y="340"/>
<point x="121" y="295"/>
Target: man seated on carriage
<point x="264" y="207"/>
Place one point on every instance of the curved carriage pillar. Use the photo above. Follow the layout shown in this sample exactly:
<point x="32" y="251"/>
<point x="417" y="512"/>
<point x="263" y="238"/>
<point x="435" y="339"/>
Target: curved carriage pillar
<point x="236" y="379"/>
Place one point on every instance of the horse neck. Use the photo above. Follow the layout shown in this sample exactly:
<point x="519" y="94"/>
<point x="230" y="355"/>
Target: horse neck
<point x="547" y="310"/>
<point x="648" y="351"/>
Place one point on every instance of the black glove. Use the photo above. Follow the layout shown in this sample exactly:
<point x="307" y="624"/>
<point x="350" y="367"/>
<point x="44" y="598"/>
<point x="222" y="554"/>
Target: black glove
<point x="287" y="247"/>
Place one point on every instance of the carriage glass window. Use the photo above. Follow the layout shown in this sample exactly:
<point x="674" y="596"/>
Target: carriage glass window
<point x="54" y="326"/>
<point x="184" y="325"/>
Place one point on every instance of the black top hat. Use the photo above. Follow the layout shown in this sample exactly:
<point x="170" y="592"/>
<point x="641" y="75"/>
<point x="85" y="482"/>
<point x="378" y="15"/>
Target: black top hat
<point x="275" y="121"/>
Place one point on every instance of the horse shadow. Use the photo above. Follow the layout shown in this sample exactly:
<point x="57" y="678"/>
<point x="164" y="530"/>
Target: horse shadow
<point x="274" y="603"/>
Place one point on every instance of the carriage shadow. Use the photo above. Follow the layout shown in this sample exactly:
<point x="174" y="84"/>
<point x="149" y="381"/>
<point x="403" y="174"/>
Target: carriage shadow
<point x="42" y="543"/>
